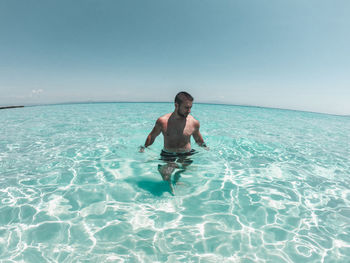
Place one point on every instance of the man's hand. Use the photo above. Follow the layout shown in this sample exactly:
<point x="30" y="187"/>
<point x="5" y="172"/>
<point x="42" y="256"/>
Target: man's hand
<point x="203" y="145"/>
<point x="142" y="149"/>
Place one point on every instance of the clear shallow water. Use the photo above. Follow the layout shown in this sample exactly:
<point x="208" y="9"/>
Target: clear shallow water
<point x="274" y="187"/>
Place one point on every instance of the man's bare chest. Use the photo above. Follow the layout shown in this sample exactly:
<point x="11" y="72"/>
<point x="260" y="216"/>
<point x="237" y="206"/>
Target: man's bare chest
<point x="177" y="131"/>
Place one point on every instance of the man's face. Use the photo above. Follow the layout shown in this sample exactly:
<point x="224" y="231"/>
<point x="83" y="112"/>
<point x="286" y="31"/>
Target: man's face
<point x="184" y="108"/>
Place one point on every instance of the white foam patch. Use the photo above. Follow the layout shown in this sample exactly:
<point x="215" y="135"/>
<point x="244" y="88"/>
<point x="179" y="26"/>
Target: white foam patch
<point x="98" y="208"/>
<point x="91" y="235"/>
<point x="168" y="206"/>
<point x="340" y="243"/>
<point x="57" y="206"/>
<point x="142" y="213"/>
<point x="10" y="193"/>
<point x="275" y="171"/>
<point x="115" y="258"/>
<point x="323" y="172"/>
<point x="124" y="171"/>
<point x="273" y="203"/>
<point x="100" y="177"/>
<point x="228" y="176"/>
<point x="141" y="218"/>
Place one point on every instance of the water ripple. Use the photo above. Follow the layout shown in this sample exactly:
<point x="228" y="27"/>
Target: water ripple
<point x="274" y="187"/>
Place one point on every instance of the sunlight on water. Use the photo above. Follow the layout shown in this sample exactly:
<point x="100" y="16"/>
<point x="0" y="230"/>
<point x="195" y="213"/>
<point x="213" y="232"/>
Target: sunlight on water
<point x="274" y="187"/>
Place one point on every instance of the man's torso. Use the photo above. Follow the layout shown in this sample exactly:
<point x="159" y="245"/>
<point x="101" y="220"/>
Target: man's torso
<point x="177" y="133"/>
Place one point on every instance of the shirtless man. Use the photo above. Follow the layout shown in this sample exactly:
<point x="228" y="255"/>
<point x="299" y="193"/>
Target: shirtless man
<point x="177" y="128"/>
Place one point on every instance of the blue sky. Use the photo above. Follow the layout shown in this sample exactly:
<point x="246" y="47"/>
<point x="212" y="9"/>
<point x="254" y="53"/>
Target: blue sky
<point x="285" y="54"/>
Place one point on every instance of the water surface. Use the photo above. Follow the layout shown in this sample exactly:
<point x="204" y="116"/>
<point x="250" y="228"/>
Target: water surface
<point x="274" y="187"/>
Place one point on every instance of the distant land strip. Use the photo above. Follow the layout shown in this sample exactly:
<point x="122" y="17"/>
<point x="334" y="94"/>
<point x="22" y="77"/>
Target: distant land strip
<point x="10" y="107"/>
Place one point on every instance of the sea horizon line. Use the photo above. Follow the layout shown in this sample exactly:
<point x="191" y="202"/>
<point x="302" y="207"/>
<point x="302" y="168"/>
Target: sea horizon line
<point x="3" y="106"/>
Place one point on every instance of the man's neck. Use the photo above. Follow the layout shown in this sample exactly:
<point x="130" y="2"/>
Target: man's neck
<point x="179" y="117"/>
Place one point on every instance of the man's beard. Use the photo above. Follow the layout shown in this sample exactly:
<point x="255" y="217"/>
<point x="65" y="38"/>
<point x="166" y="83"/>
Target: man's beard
<point x="182" y="115"/>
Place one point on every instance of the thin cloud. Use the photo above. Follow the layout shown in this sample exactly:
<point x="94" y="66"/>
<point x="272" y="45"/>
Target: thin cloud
<point x="36" y="93"/>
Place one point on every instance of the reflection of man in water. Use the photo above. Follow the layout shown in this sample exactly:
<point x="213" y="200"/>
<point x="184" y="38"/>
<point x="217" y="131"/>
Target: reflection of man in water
<point x="177" y="128"/>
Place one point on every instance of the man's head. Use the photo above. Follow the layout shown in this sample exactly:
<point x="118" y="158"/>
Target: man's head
<point x="183" y="104"/>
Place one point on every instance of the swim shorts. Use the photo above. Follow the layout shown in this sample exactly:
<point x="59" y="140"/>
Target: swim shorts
<point x="180" y="157"/>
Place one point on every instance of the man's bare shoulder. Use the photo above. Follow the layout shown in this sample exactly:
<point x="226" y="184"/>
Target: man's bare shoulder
<point x="193" y="120"/>
<point x="164" y="118"/>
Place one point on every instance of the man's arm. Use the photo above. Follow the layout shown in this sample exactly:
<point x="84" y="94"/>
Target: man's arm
<point x="198" y="136"/>
<point x="152" y="136"/>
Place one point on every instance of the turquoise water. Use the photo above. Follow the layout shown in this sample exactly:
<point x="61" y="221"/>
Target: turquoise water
<point x="274" y="187"/>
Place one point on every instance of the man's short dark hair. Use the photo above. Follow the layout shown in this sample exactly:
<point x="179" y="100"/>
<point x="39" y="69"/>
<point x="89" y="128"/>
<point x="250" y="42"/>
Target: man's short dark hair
<point x="181" y="96"/>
